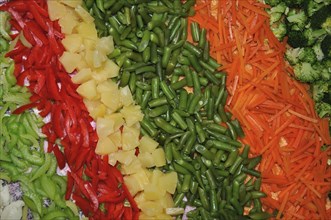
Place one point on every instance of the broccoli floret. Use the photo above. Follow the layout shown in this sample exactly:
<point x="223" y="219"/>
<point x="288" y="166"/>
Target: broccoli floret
<point x="318" y="51"/>
<point x="324" y="68"/>
<point x="293" y="3"/>
<point x="279" y="31"/>
<point x="272" y="3"/>
<point x="313" y="35"/>
<point x="292" y="55"/>
<point x="312" y="6"/>
<point x="327" y="25"/>
<point x="307" y="55"/>
<point x="296" y="38"/>
<point x="276" y="12"/>
<point x="298" y="19"/>
<point x="304" y="72"/>
<point x="323" y="109"/>
<point x="320" y="17"/>
<point x="326" y="46"/>
<point x="319" y="90"/>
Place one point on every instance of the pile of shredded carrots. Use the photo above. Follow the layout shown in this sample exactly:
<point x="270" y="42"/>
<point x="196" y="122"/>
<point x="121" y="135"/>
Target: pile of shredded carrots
<point x="276" y="112"/>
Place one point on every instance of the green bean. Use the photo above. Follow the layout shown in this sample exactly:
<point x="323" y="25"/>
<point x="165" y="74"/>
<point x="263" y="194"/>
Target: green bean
<point x="195" y="31"/>
<point x="235" y="164"/>
<point x="204" y="151"/>
<point x="203" y="198"/>
<point x="146" y="124"/>
<point x="146" y="97"/>
<point x="180" y="169"/>
<point x="144" y="41"/>
<point x="211" y="179"/>
<point x="194" y="103"/>
<point x="182" y="100"/>
<point x="251" y="172"/>
<point x="202" y="38"/>
<point x="192" y="49"/>
<point x="186" y="183"/>
<point x="231" y="159"/>
<point x="180" y="121"/>
<point x="254" y="161"/>
<point x="167" y="90"/>
<point x="139" y="95"/>
<point x="260" y="215"/>
<point x="158" y="102"/>
<point x="164" y="125"/>
<point x="158" y="111"/>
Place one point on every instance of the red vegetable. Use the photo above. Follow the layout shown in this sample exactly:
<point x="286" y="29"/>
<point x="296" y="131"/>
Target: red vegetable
<point x="54" y="95"/>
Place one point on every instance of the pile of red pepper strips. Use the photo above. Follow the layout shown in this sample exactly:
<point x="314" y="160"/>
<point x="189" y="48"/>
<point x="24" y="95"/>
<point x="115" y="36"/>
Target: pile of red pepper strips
<point x="97" y="188"/>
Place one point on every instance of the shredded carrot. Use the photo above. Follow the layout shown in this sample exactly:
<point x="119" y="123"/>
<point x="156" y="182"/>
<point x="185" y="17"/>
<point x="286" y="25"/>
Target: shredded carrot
<point x="276" y="112"/>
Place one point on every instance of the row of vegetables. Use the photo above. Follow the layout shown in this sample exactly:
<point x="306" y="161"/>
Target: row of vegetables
<point x="144" y="122"/>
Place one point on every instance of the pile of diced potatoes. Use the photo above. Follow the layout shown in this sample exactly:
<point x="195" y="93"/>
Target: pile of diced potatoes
<point x="113" y="109"/>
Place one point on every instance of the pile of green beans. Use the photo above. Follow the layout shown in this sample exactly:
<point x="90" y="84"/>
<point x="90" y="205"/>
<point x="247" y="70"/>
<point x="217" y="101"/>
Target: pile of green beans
<point x="22" y="156"/>
<point x="199" y="136"/>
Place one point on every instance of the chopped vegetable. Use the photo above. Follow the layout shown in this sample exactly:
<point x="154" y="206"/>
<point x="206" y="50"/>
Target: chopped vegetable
<point x="276" y="112"/>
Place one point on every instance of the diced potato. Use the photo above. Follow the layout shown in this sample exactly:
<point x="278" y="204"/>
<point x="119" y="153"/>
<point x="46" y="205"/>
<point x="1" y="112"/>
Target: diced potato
<point x="130" y="138"/>
<point x="159" y="157"/>
<point x="95" y="108"/>
<point x="87" y="30"/>
<point x="118" y="120"/>
<point x="153" y="192"/>
<point x="56" y="10"/>
<point x="155" y="177"/>
<point x="167" y="201"/>
<point x="103" y="73"/>
<point x="132" y="185"/>
<point x="105" y="127"/>
<point x="71" y="3"/>
<point x="89" y="44"/>
<point x="99" y="59"/>
<point x="133" y="167"/>
<point x="141" y="178"/>
<point x="116" y="138"/>
<point x="83" y="14"/>
<point x="105" y="146"/>
<point x="126" y="96"/>
<point x="69" y="22"/>
<point x="169" y="182"/>
<point x="109" y="95"/>
<point x="144" y="216"/>
<point x="164" y="217"/>
<point x="69" y="61"/>
<point x="132" y="114"/>
<point x="111" y="68"/>
<point x="82" y="76"/>
<point x="105" y="45"/>
<point x="146" y="159"/>
<point x="112" y="159"/>
<point x="88" y="90"/>
<point x="88" y="57"/>
<point x="147" y="144"/>
<point x="139" y="197"/>
<point x="150" y="208"/>
<point x="82" y="64"/>
<point x="125" y="157"/>
<point x="72" y="43"/>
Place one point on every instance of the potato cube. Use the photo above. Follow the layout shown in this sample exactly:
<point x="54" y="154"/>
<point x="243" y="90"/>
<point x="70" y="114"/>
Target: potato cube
<point x="111" y="68"/>
<point x="116" y="138"/>
<point x="133" y="167"/>
<point x="139" y="197"/>
<point x="125" y="157"/>
<point x="130" y="138"/>
<point x="105" y="146"/>
<point x="159" y="157"/>
<point x="155" y="177"/>
<point x="72" y="43"/>
<point x="105" y="45"/>
<point x="146" y="159"/>
<point x="132" y="185"/>
<point x="56" y="10"/>
<point x="82" y="76"/>
<point x="132" y="114"/>
<point x="99" y="60"/>
<point x="153" y="192"/>
<point x="95" y="108"/>
<point x="126" y="96"/>
<point x="147" y="144"/>
<point x="118" y="119"/>
<point x="69" y="61"/>
<point x="69" y="22"/>
<point x="167" y="201"/>
<point x="71" y="3"/>
<point x="151" y="208"/>
<point x="105" y="126"/>
<point x="88" y="90"/>
<point x="87" y="30"/>
<point x="83" y="14"/>
<point x="169" y="182"/>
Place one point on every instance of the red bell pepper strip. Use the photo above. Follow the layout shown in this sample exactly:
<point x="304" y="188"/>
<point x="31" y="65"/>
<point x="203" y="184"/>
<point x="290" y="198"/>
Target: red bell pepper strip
<point x="70" y="186"/>
<point x="57" y="119"/>
<point x="59" y="157"/>
<point x="24" y="108"/>
<point x="37" y="15"/>
<point x="52" y="41"/>
<point x="82" y="203"/>
<point x="92" y="196"/>
<point x="51" y="84"/>
<point x="37" y="32"/>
